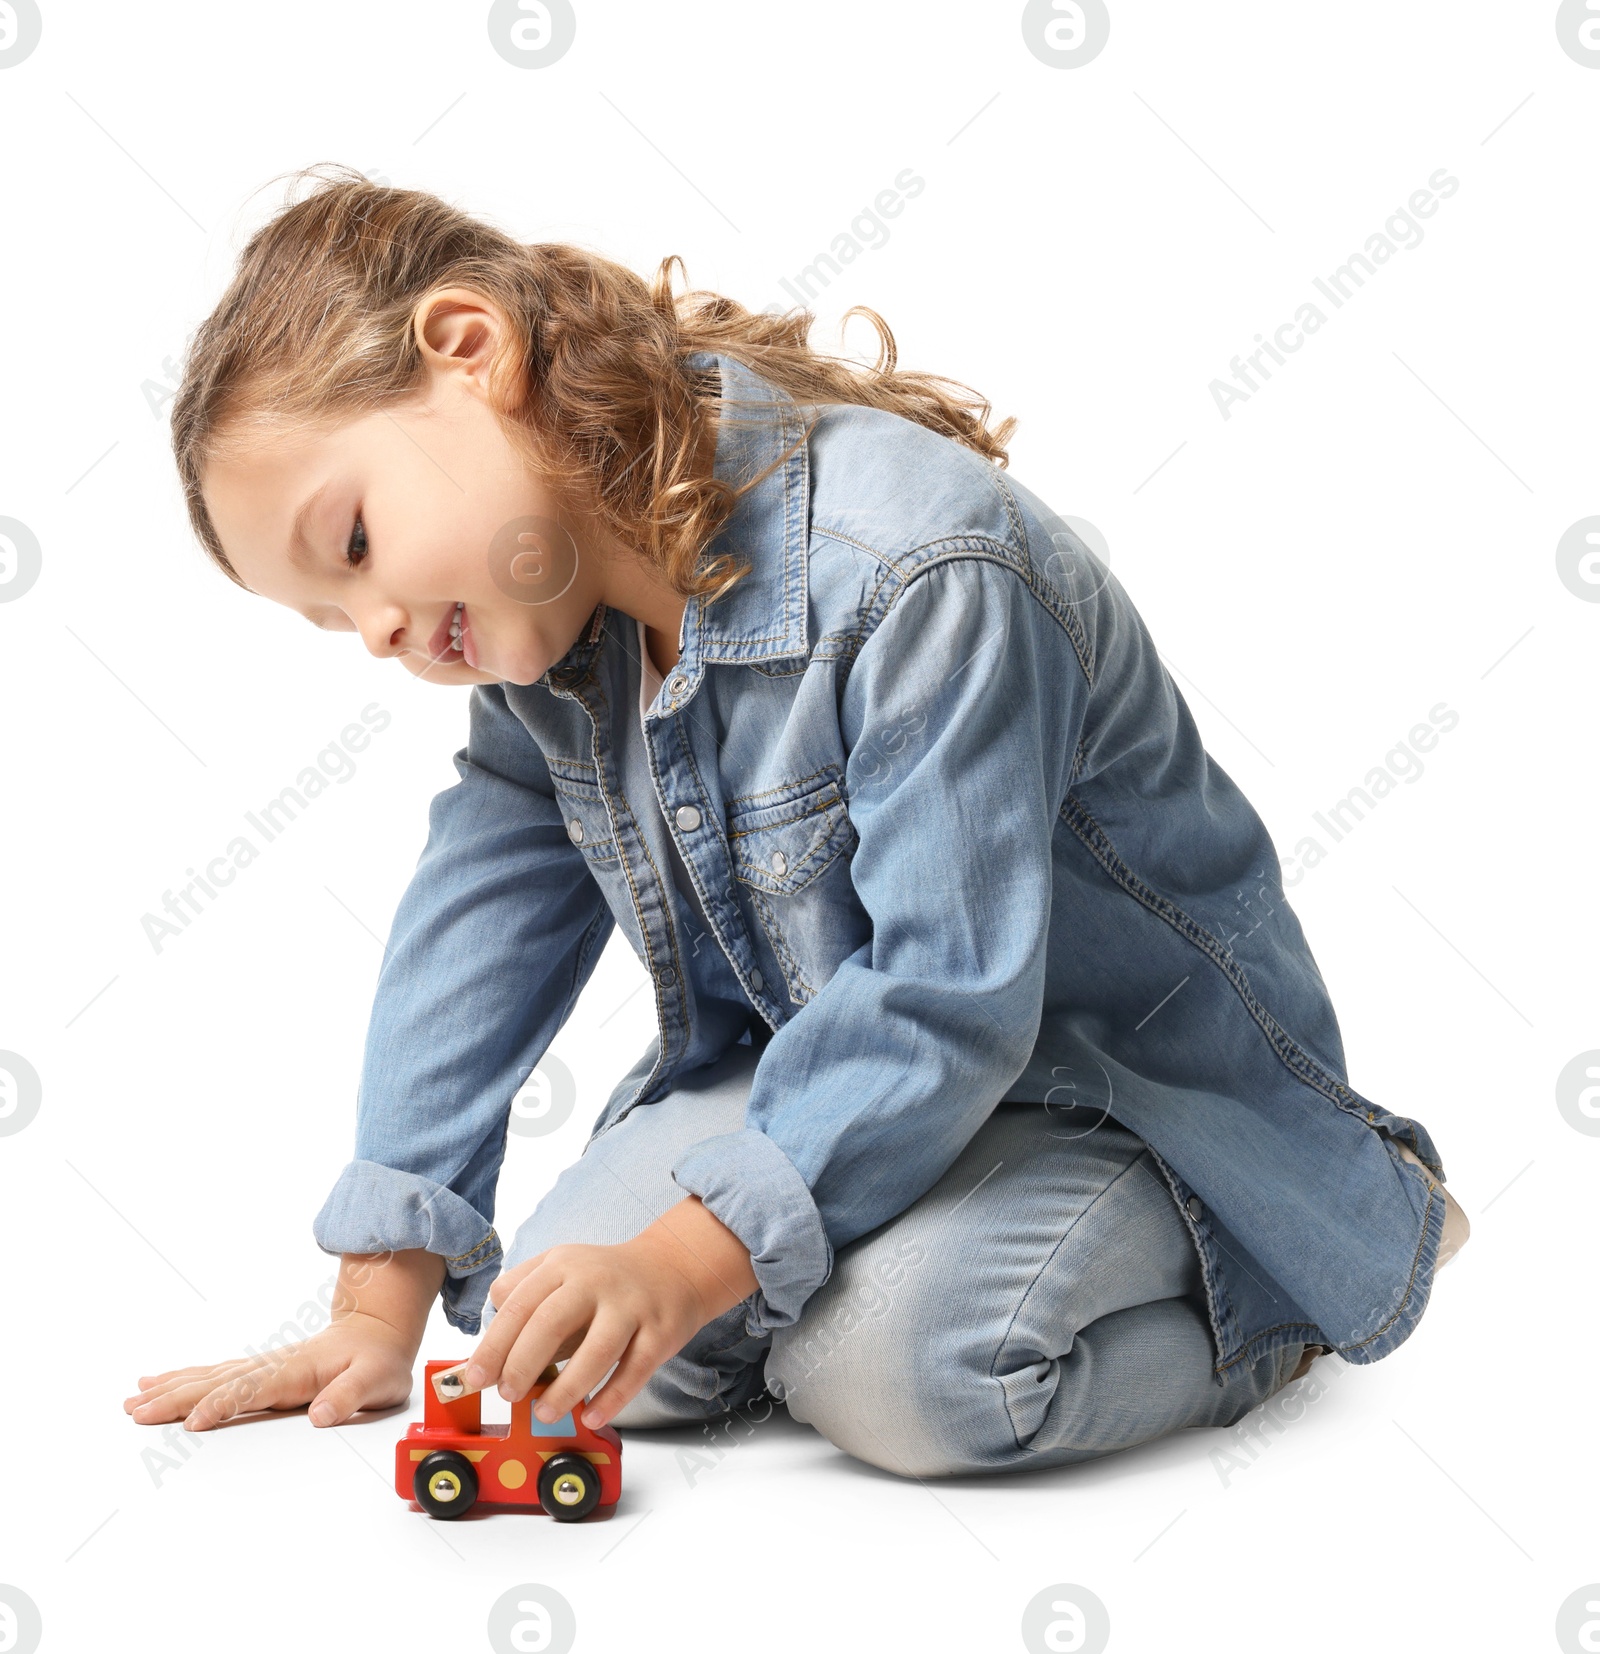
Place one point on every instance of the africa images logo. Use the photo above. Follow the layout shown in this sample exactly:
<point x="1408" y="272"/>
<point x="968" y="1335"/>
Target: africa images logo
<point x="1400" y="233"/>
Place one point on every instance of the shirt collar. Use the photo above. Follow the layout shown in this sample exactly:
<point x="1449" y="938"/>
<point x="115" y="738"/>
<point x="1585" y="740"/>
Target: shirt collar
<point x="764" y="616"/>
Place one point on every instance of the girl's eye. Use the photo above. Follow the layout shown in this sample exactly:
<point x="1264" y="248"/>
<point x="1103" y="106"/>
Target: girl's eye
<point x="358" y="538"/>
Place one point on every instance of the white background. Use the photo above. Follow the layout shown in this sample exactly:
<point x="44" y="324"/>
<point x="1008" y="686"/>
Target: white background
<point x="1371" y="534"/>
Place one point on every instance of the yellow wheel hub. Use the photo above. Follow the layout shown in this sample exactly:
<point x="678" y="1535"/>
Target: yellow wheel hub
<point x="568" y="1489"/>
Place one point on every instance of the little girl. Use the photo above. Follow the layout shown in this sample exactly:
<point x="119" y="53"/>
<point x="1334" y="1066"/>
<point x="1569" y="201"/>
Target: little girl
<point x="996" y="1115"/>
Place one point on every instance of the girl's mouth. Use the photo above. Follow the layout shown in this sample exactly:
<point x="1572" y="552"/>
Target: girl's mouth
<point x="452" y="642"/>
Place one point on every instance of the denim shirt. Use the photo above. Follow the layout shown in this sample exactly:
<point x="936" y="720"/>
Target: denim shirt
<point x="958" y="842"/>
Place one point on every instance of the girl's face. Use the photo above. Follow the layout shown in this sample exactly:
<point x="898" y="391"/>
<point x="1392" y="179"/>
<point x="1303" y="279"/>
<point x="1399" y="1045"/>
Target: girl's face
<point x="383" y="525"/>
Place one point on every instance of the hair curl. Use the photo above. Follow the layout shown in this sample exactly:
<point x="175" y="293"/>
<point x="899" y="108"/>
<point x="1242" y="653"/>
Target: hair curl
<point x="317" y="328"/>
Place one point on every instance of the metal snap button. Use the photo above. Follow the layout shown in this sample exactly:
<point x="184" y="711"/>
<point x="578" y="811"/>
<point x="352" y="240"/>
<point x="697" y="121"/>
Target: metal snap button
<point x="575" y="830"/>
<point x="1193" y="1207"/>
<point x="687" y="817"/>
<point x="668" y="976"/>
<point x="780" y="863"/>
<point x="757" y="981"/>
<point x="678" y="683"/>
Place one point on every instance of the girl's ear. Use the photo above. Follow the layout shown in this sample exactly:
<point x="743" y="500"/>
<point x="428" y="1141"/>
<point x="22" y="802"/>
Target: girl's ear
<point x="459" y="331"/>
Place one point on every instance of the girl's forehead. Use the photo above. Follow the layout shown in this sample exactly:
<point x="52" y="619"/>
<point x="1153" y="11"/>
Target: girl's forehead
<point x="277" y="447"/>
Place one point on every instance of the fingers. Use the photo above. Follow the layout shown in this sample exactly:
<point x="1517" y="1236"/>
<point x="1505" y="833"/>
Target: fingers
<point x="335" y="1387"/>
<point x="344" y="1395"/>
<point x="171" y="1397"/>
<point x="523" y="1338"/>
<point x="514" y="1305"/>
<point x="631" y="1376"/>
<point x="608" y="1338"/>
<point x="151" y="1382"/>
<point x="243" y="1393"/>
<point x="501" y="1286"/>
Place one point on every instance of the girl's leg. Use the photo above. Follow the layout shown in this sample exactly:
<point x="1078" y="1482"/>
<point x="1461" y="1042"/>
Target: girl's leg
<point x="622" y="1183"/>
<point x="1041" y="1304"/>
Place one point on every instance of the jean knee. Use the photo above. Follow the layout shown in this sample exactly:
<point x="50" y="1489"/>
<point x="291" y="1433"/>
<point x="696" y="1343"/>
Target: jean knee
<point x="893" y="1390"/>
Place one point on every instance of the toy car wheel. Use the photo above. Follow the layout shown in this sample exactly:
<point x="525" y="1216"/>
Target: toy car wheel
<point x="569" y="1487"/>
<point x="445" y="1484"/>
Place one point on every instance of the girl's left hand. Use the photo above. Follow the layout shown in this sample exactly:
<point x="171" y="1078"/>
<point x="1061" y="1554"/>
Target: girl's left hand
<point x="636" y="1303"/>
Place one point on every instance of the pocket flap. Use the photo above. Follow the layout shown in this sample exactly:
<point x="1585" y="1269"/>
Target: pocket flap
<point x="584" y="807"/>
<point x="783" y="837"/>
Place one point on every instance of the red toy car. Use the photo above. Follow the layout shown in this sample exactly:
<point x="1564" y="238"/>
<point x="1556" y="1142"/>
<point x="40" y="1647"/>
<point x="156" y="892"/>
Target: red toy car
<point x="453" y="1461"/>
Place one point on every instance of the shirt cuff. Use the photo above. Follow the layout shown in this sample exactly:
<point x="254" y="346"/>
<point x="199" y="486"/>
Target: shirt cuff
<point x="374" y="1208"/>
<point x="753" y="1188"/>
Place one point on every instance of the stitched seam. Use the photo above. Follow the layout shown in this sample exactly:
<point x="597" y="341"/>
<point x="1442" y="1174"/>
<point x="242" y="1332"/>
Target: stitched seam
<point x="705" y="792"/>
<point x="767" y="792"/>
<point x="850" y="540"/>
<point x="714" y="653"/>
<point x="880" y="601"/>
<point x="1405" y="1298"/>
<point x="1293" y="1056"/>
<point x="960" y="545"/>
<point x="1013" y="511"/>
<point x="1265" y="1333"/>
<point x="464" y="1257"/>
<point x="872" y="603"/>
<point x="727" y="859"/>
<point x="597" y="850"/>
<point x="1073" y="634"/>
<point x="1287" y="1049"/>
<point x="644" y="928"/>
<point x="837" y="646"/>
<point x="1007" y="503"/>
<point x="816" y="861"/>
<point x="1048" y="593"/>
<point x="823" y="807"/>
<point x="1220" y="1313"/>
<point x="676" y="960"/>
<point x="799" y="988"/>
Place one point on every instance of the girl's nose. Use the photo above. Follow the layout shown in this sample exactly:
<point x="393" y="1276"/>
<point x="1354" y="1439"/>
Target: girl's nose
<point x="385" y="630"/>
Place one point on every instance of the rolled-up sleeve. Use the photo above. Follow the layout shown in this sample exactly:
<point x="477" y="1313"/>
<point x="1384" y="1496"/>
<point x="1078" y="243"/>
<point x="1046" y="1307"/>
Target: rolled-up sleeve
<point x="492" y="941"/>
<point x="961" y="717"/>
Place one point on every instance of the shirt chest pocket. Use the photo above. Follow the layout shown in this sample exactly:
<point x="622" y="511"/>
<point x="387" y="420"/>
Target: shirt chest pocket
<point x="785" y="837"/>
<point x="790" y="849"/>
<point x="583" y="807"/>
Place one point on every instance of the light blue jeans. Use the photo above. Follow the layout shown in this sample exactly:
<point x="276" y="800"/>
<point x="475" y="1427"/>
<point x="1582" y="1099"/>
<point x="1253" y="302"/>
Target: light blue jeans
<point x="1040" y="1304"/>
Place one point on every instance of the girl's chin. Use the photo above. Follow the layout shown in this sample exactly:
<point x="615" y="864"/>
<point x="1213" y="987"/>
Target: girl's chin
<point x="521" y="672"/>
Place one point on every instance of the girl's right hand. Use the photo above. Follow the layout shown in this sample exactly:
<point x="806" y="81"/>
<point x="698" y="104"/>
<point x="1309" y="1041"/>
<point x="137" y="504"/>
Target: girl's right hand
<point x="359" y="1361"/>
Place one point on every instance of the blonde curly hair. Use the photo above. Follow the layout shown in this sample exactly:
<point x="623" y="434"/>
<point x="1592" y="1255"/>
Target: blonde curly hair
<point x="317" y="328"/>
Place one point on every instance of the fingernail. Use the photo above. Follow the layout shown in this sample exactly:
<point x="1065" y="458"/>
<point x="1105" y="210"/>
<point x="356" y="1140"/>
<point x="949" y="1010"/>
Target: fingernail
<point x="322" y="1413"/>
<point x="545" y="1411"/>
<point x="474" y="1378"/>
<point x="594" y="1418"/>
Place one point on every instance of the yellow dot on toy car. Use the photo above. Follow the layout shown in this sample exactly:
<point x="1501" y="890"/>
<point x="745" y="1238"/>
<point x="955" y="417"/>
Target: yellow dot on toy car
<point x="513" y="1473"/>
